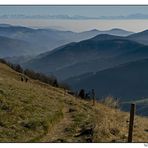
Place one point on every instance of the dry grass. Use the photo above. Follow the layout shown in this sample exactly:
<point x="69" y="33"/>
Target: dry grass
<point x="110" y="102"/>
<point x="113" y="126"/>
<point x="36" y="112"/>
<point x="26" y="110"/>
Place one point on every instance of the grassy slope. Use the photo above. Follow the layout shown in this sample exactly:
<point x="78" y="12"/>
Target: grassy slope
<point x="36" y="112"/>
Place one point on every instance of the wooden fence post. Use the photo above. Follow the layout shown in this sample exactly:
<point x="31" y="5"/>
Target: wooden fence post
<point x="131" y="123"/>
<point x="64" y="92"/>
<point x="93" y="96"/>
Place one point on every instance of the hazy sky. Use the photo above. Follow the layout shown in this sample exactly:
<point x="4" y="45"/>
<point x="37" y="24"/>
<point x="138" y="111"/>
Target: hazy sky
<point x="74" y="10"/>
<point x="135" y="25"/>
<point x="80" y="25"/>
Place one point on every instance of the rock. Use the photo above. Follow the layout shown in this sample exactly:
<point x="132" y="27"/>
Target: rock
<point x="85" y="132"/>
<point x="89" y="140"/>
<point x="114" y="131"/>
<point x="71" y="110"/>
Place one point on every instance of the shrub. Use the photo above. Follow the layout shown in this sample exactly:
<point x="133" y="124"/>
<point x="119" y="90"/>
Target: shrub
<point x="111" y="102"/>
<point x="82" y="93"/>
<point x="52" y="80"/>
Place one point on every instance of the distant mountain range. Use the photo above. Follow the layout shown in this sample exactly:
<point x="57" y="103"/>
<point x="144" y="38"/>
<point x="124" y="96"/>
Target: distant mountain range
<point x="113" y="62"/>
<point x="141" y="37"/>
<point x="74" y="17"/>
<point x="13" y="47"/>
<point x="98" y="53"/>
<point x="92" y="55"/>
<point x="42" y="40"/>
<point x="112" y="65"/>
<point x="128" y="81"/>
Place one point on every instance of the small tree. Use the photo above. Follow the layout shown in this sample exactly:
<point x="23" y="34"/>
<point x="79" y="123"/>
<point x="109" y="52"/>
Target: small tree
<point x="18" y="68"/>
<point x="82" y="93"/>
<point x="55" y="83"/>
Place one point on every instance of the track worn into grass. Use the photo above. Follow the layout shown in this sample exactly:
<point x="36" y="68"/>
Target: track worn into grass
<point x="57" y="133"/>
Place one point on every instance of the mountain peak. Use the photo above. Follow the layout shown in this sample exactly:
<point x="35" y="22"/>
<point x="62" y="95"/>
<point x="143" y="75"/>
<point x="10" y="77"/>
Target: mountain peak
<point x="106" y="37"/>
<point x="144" y="32"/>
<point x="94" y="30"/>
<point x="139" y="34"/>
<point x="117" y="29"/>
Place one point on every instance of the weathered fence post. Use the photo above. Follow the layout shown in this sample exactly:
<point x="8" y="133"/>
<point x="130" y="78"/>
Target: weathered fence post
<point x="64" y="92"/>
<point x="93" y="96"/>
<point x="131" y="123"/>
<point x="76" y="95"/>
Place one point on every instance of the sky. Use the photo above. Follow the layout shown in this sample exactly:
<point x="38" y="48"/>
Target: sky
<point x="135" y="25"/>
<point x="90" y="11"/>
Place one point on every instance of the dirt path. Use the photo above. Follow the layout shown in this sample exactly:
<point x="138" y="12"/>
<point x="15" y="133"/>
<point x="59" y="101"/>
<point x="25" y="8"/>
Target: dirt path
<point x="75" y="126"/>
<point x="1" y="79"/>
<point x="57" y="133"/>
